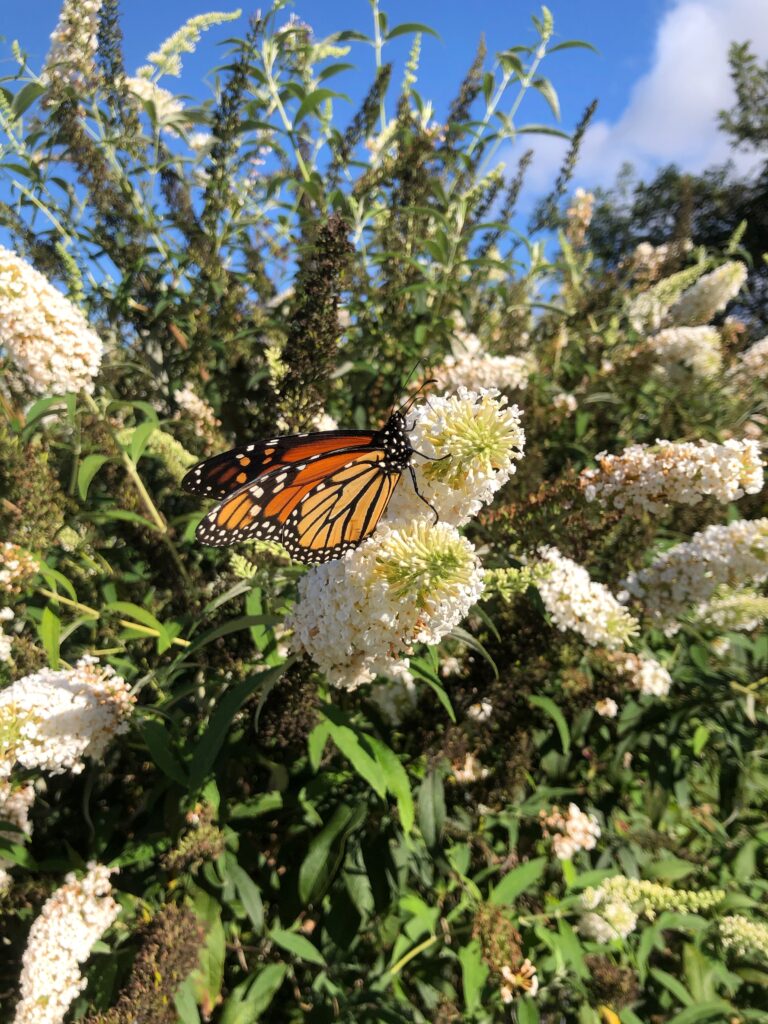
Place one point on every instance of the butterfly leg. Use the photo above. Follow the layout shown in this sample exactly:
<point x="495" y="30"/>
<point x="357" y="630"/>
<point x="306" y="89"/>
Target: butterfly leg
<point x="432" y="458"/>
<point x="418" y="492"/>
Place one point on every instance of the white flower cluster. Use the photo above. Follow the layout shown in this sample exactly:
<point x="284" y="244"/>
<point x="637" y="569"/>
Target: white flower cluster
<point x="565" y="402"/>
<point x="648" y="676"/>
<point x="47" y="337"/>
<point x="522" y="981"/>
<point x="577" y="602"/>
<point x="622" y="900"/>
<point x="647" y="310"/>
<point x="413" y="580"/>
<point x="167" y="107"/>
<point x="471" y="366"/>
<point x="579" y="215"/>
<point x="648" y="260"/>
<point x="396" y="698"/>
<point x="753" y="363"/>
<point x="607" y="707"/>
<point x="471" y="770"/>
<point x="744" y="937"/>
<point x="60" y="940"/>
<point x="709" y="295"/>
<point x="690" y="573"/>
<point x="480" y="712"/>
<point x="166" y="60"/>
<point x="403" y="586"/>
<point x="740" y="610"/>
<point x="570" y="833"/>
<point x="651" y="477"/>
<point x="51" y="719"/>
<point x="200" y="413"/>
<point x="73" y="46"/>
<point x="15" y="802"/>
<point x="16" y="566"/>
<point x="478" y="439"/>
<point x="6" y="615"/>
<point x="697" y="348"/>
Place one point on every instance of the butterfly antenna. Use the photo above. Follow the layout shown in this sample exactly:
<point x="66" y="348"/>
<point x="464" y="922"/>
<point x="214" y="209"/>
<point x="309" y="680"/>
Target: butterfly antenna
<point x="404" y="386"/>
<point x="404" y="409"/>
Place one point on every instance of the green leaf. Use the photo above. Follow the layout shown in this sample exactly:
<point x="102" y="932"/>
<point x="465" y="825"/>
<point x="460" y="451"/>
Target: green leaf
<point x="474" y="972"/>
<point x="316" y="744"/>
<point x="396" y="781"/>
<point x="145" y="617"/>
<point x="547" y="90"/>
<point x="678" y="990"/>
<point x="248" y="1000"/>
<point x="87" y="470"/>
<point x="158" y="741"/>
<point x="704" y="1011"/>
<point x="410" y="26"/>
<point x="313" y="101"/>
<point x="517" y="881"/>
<point x="326" y="852"/>
<point x="210" y="743"/>
<point x="185" y="1003"/>
<point x="299" y="945"/>
<point x="431" y="801"/>
<point x="527" y="1011"/>
<point x="139" y="438"/>
<point x="354" y="746"/>
<point x="547" y="705"/>
<point x="49" y="631"/>
<point x="570" y="44"/>
<point x="25" y="97"/>
<point x="249" y="895"/>
<point x="670" y="869"/>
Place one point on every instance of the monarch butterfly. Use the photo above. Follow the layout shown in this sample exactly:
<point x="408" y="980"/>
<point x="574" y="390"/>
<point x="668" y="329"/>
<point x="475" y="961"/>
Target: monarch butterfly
<point x="317" y="494"/>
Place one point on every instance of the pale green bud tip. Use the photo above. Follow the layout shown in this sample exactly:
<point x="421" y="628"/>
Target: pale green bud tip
<point x="430" y="562"/>
<point x="481" y="437"/>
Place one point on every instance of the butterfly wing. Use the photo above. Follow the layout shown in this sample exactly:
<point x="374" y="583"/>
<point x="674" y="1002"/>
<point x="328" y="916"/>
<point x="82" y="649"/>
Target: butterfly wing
<point x="229" y="472"/>
<point x="317" y="509"/>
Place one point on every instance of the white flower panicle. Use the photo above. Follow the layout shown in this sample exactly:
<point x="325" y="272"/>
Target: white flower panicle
<point x="16" y="566"/>
<point x="648" y="309"/>
<point x="73" y="46"/>
<point x="648" y="261"/>
<point x="60" y="941"/>
<point x="15" y="803"/>
<point x="6" y="642"/>
<point x="577" y="602"/>
<point x="650" y="677"/>
<point x="753" y="363"/>
<point x="43" y="333"/>
<point x="607" y="707"/>
<point x="569" y="833"/>
<point x="396" y="698"/>
<point x="709" y="295"/>
<point x="168" y="107"/>
<point x="478" y="438"/>
<point x="471" y="770"/>
<point x="740" y="610"/>
<point x="481" y="711"/>
<point x="690" y="573"/>
<point x="743" y="937"/>
<point x="565" y="402"/>
<point x="198" y="411"/>
<point x="697" y="348"/>
<point x="355" y="616"/>
<point x="579" y="215"/>
<point x="651" y="477"/>
<point x="413" y="580"/>
<point x="51" y="720"/>
<point x="616" y="920"/>
<point x="471" y="366"/>
<point x="166" y="60"/>
<point x="523" y="981"/>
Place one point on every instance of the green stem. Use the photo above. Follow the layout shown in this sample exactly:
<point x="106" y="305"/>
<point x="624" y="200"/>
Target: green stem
<point x="411" y="954"/>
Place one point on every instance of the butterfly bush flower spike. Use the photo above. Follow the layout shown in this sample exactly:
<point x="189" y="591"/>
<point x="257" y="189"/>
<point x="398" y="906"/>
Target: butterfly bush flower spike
<point x="696" y="348"/>
<point x="44" y="334"/>
<point x="60" y="941"/>
<point x="577" y="602"/>
<point x="51" y="720"/>
<point x="652" y="477"/>
<point x="709" y="295"/>
<point x="413" y="580"/>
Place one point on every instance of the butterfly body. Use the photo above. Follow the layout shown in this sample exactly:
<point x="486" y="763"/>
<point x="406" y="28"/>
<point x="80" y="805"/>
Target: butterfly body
<point x="317" y="494"/>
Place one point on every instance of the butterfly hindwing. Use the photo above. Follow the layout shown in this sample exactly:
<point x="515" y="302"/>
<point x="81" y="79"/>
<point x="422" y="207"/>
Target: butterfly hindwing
<point x="317" y="509"/>
<point x="230" y="471"/>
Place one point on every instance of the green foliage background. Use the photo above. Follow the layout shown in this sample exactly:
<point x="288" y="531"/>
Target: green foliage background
<point x="335" y="868"/>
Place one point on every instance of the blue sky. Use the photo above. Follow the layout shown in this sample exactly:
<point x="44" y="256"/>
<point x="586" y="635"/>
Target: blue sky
<point x="660" y="74"/>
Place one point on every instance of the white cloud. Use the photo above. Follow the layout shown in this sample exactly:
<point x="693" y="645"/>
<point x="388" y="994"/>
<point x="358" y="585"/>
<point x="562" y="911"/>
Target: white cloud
<point x="672" y="111"/>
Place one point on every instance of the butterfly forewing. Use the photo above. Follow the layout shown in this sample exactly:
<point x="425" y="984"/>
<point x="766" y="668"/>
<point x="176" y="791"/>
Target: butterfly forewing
<point x="317" y="494"/>
<point x="223" y="474"/>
